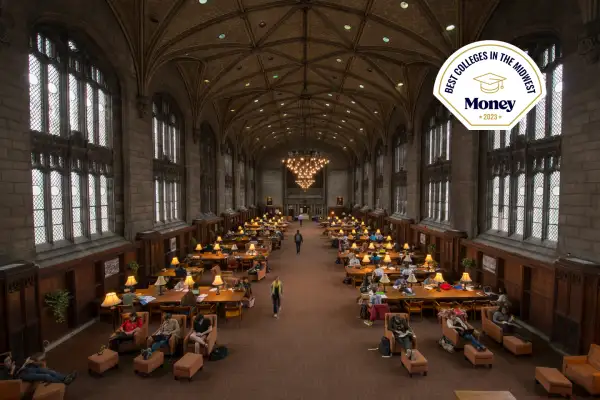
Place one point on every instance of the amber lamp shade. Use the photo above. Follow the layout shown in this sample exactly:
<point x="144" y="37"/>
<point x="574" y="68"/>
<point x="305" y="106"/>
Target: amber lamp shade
<point x="175" y="261"/>
<point x="131" y="281"/>
<point x="438" y="278"/>
<point x="406" y="246"/>
<point x="371" y="246"/>
<point x="366" y="259"/>
<point x="387" y="259"/>
<point x="110" y="300"/>
<point x="198" y="247"/>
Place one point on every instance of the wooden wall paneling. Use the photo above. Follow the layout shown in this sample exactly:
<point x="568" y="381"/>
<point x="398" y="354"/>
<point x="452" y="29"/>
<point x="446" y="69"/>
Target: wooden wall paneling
<point x="20" y="309"/>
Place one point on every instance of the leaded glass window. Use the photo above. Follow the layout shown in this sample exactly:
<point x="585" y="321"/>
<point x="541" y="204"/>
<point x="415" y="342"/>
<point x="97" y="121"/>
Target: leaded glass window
<point x="228" y="164"/>
<point x="379" y="177"/>
<point x="436" y="166"/>
<point x="523" y="164"/>
<point x="70" y="118"/>
<point x="208" y="151"/>
<point x="168" y="166"/>
<point x="399" y="191"/>
<point x="242" y="171"/>
<point x="366" y="170"/>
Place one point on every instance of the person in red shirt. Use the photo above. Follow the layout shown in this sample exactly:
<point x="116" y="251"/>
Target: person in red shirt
<point x="126" y="332"/>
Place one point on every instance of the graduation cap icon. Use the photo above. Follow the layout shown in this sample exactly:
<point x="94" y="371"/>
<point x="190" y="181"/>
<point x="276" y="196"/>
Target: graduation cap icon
<point x="490" y="83"/>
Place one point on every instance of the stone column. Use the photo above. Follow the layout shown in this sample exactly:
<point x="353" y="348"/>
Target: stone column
<point x="413" y="176"/>
<point x="220" y="180"/>
<point x="464" y="159"/>
<point x="388" y="165"/>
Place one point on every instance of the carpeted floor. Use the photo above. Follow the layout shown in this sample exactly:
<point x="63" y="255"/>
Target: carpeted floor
<point x="317" y="349"/>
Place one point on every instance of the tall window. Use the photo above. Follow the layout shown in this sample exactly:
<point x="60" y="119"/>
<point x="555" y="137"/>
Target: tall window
<point x="436" y="166"/>
<point x="168" y="166"/>
<point x="366" y="170"/>
<point x="251" y="183"/>
<point x="399" y="192"/>
<point x="523" y="165"/>
<point x="242" y="169"/>
<point x="208" y="162"/>
<point x="379" y="176"/>
<point x="228" y="161"/>
<point x="71" y="122"/>
<point x="357" y="183"/>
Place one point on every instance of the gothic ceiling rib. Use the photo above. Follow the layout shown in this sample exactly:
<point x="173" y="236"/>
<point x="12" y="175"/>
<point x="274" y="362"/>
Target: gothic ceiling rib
<point x="277" y="70"/>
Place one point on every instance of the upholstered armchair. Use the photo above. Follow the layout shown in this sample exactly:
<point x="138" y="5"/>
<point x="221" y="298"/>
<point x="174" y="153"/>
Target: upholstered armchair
<point x="390" y="335"/>
<point x="173" y="340"/>
<point x="139" y="338"/>
<point x="453" y="336"/>
<point x="584" y="370"/>
<point x="188" y="344"/>
<point x="488" y="326"/>
<point x="16" y="389"/>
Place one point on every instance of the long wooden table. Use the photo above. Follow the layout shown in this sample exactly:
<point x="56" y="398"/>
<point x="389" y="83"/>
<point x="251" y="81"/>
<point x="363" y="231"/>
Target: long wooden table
<point x="393" y="295"/>
<point x="368" y="270"/>
<point x="170" y="272"/>
<point x="174" y="296"/>
<point x="393" y="255"/>
<point x="474" y="395"/>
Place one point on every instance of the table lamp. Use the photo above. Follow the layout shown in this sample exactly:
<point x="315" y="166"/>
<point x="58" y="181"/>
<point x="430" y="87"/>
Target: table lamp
<point x="406" y="247"/>
<point x="362" y="223"/>
<point x="412" y="279"/>
<point x="371" y="246"/>
<point x="354" y="231"/>
<point x="354" y="246"/>
<point x="378" y="232"/>
<point x="387" y="259"/>
<point x="189" y="282"/>
<point x="218" y="282"/>
<point x="217" y="248"/>
<point x="464" y="279"/>
<point x="389" y="246"/>
<point x="366" y="259"/>
<point x="407" y="259"/>
<point x="388" y="239"/>
<point x="198" y="247"/>
<point x="428" y="260"/>
<point x="175" y="261"/>
<point x="131" y="282"/>
<point x="439" y="279"/>
<point x="365" y="232"/>
<point x="234" y="247"/>
<point x="341" y="232"/>
<point x="384" y="279"/>
<point x="219" y="240"/>
<point x="160" y="282"/>
<point x="111" y="300"/>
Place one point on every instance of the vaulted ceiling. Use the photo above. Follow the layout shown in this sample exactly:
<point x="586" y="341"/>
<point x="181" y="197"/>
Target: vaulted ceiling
<point x="272" y="70"/>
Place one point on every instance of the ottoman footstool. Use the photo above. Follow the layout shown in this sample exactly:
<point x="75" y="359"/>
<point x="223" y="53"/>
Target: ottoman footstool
<point x="145" y="367"/>
<point x="99" y="363"/>
<point x="416" y="365"/>
<point x="477" y="357"/>
<point x="553" y="381"/>
<point x="52" y="391"/>
<point x="187" y="366"/>
<point x="517" y="346"/>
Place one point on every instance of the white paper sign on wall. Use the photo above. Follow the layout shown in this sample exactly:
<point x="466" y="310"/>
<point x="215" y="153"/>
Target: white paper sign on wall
<point x="489" y="264"/>
<point x="111" y="267"/>
<point x="173" y="244"/>
<point x="422" y="238"/>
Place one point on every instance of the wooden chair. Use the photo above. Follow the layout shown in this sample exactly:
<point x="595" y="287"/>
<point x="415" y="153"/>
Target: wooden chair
<point x="429" y="305"/>
<point x="246" y="264"/>
<point x="233" y="310"/>
<point x="232" y="264"/>
<point x="414" y="307"/>
<point x="468" y="307"/>
<point x="441" y="306"/>
<point x="206" y="308"/>
<point x="479" y="305"/>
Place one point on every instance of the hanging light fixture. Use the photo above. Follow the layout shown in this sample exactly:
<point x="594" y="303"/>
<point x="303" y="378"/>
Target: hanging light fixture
<point x="305" y="183"/>
<point x="305" y="165"/>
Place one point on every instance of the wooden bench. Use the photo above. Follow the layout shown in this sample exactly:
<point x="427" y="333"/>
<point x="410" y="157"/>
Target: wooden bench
<point x="553" y="381"/>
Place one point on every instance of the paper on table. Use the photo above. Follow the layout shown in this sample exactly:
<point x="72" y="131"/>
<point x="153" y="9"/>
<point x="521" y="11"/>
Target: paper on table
<point x="201" y="297"/>
<point x="146" y="299"/>
<point x="213" y="290"/>
<point x="383" y="296"/>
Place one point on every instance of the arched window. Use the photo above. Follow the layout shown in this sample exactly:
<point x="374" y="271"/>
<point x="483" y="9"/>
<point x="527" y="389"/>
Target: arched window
<point x="357" y="182"/>
<point x="208" y="162"/>
<point x="228" y="163"/>
<point x="399" y="192"/>
<point x="168" y="166"/>
<point x="523" y="165"/>
<point x="71" y="122"/>
<point x="436" y="166"/>
<point x="242" y="169"/>
<point x="365" y="182"/>
<point x="379" y="176"/>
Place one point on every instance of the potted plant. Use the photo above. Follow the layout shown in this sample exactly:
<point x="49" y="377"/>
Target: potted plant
<point x="468" y="264"/>
<point x="193" y="244"/>
<point x="133" y="267"/>
<point x="58" y="301"/>
<point x="431" y="249"/>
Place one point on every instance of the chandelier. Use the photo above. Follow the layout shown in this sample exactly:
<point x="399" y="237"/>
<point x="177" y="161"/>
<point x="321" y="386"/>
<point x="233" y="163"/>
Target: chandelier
<point x="305" y="165"/>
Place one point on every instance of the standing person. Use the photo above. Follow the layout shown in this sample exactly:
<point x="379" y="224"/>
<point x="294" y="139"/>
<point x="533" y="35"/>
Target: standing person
<point x="276" y="295"/>
<point x="300" y="217"/>
<point x="298" y="239"/>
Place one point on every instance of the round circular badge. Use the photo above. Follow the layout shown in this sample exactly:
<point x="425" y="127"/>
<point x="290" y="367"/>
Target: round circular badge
<point x="489" y="85"/>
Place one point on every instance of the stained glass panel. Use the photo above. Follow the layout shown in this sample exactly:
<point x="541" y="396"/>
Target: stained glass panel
<point x="155" y="136"/>
<point x="557" y="88"/>
<point x="495" y="221"/>
<point x="73" y="103"/>
<point x="505" y="204"/>
<point x="102" y="118"/>
<point x="89" y="116"/>
<point x="76" y="205"/>
<point x="53" y="100"/>
<point x="157" y="201"/>
<point x="447" y="202"/>
<point x="104" y="226"/>
<point x="553" y="203"/>
<point x="35" y="94"/>
<point x="540" y="116"/>
<point x="93" y="195"/>
<point x="57" y="201"/>
<point x="538" y="205"/>
<point x="520" y="223"/>
<point x="496" y="136"/>
<point x="39" y="209"/>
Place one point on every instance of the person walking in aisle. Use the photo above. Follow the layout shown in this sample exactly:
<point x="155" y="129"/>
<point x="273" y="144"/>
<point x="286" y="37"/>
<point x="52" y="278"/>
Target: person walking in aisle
<point x="298" y="239"/>
<point x="300" y="218"/>
<point x="276" y="295"/>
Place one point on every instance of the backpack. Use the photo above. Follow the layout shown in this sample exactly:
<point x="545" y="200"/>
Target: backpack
<point x="364" y="311"/>
<point x="347" y="280"/>
<point x="218" y="353"/>
<point x="384" y="347"/>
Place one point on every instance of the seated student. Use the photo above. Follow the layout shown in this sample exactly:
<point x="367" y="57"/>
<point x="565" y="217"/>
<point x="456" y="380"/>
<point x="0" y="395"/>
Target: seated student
<point x="180" y="272"/>
<point x="181" y="285"/>
<point x="373" y="237"/>
<point x="403" y="334"/>
<point x="126" y="332"/>
<point x="378" y="273"/>
<point x="33" y="370"/>
<point x="353" y="261"/>
<point x="376" y="259"/>
<point x="202" y="327"/>
<point x="464" y="331"/>
<point x="429" y="280"/>
<point x="400" y="282"/>
<point x="169" y="327"/>
<point x="502" y="300"/>
<point x="379" y="237"/>
<point x="364" y="247"/>
<point x="506" y="321"/>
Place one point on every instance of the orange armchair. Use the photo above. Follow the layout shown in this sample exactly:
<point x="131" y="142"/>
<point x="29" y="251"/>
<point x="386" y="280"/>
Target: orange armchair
<point x="140" y="337"/>
<point x="211" y="340"/>
<point x="390" y="335"/>
<point x="173" y="340"/>
<point x="488" y="326"/>
<point x="453" y="336"/>
<point x="16" y="389"/>
<point x="584" y="370"/>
